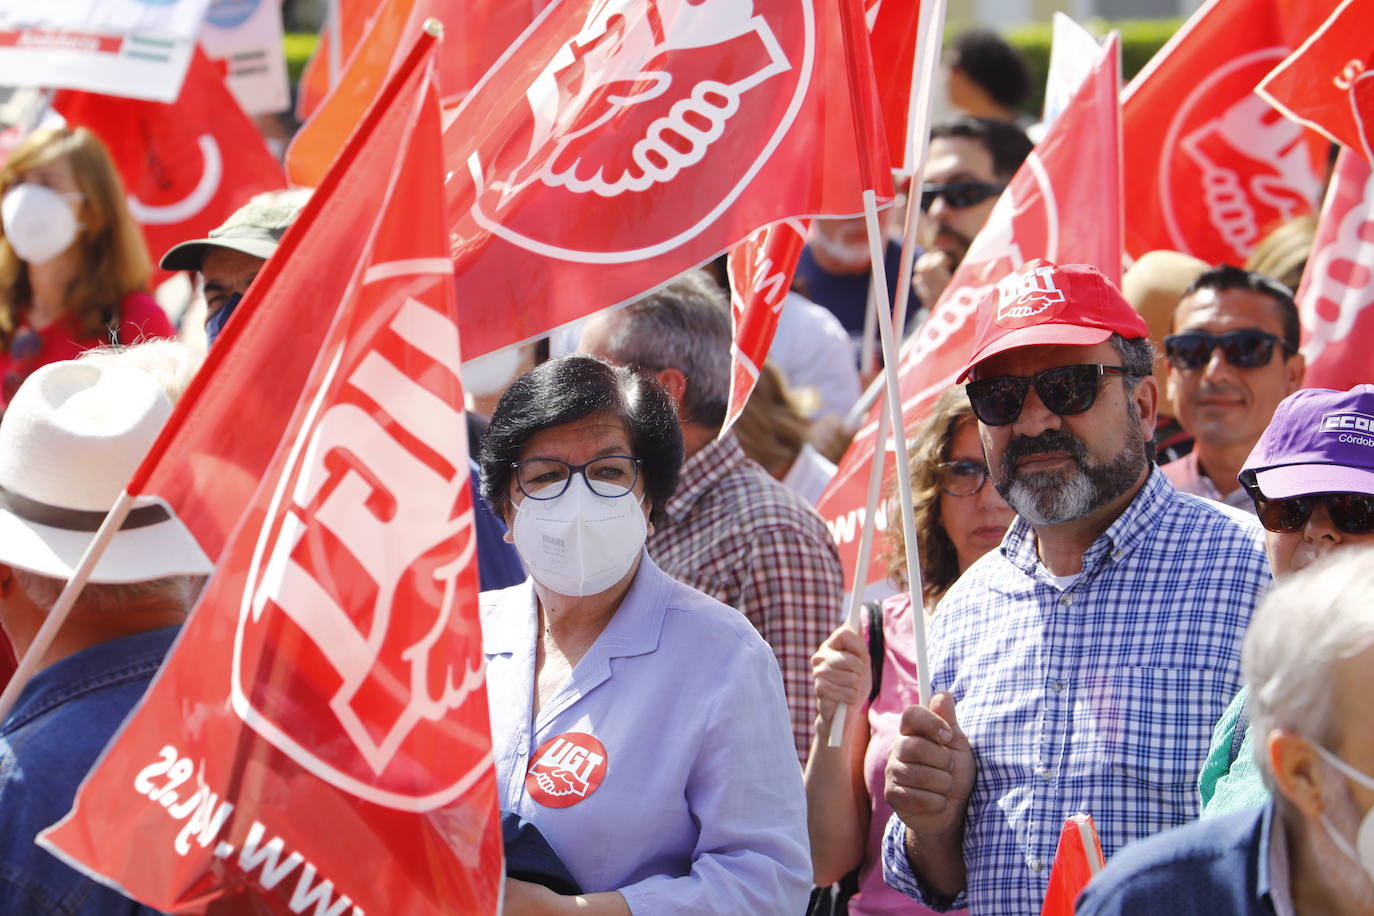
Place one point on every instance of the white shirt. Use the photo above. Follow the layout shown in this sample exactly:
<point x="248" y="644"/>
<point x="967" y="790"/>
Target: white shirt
<point x="809" y="474"/>
<point x="698" y="805"/>
<point x="812" y="350"/>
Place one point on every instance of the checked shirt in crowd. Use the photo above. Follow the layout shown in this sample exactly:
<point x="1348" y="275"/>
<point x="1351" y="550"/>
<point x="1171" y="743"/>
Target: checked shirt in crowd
<point x="1096" y="695"/>
<point x="741" y="537"/>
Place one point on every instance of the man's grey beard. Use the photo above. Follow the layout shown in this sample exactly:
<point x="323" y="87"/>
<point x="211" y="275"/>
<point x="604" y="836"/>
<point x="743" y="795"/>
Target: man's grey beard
<point x="1055" y="497"/>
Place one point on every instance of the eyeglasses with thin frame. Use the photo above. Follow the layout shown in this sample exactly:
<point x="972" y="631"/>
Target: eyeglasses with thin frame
<point x="958" y="194"/>
<point x="1350" y="513"/>
<point x="962" y="478"/>
<point x="1064" y="390"/>
<point x="547" y="478"/>
<point x="1244" y="349"/>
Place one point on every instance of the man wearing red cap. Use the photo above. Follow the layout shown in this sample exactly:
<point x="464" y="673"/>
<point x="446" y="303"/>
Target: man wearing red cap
<point x="1089" y="655"/>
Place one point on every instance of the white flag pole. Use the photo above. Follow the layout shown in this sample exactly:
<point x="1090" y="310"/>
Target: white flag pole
<point x="929" y="34"/>
<point x="334" y="19"/>
<point x="61" y="609"/>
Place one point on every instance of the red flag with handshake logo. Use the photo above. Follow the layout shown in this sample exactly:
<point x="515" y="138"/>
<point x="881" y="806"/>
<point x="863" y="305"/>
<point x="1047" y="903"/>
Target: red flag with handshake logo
<point x="1064" y="205"/>
<point x="618" y="144"/>
<point x="1210" y="166"/>
<point x="318" y="739"/>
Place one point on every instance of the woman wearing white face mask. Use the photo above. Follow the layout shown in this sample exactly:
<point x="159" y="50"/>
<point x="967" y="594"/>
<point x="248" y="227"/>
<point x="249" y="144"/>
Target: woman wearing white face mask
<point x="73" y="265"/>
<point x="637" y="723"/>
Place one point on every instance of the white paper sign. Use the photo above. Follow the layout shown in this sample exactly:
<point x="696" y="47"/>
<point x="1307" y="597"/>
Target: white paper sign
<point x="247" y="36"/>
<point x="135" y="48"/>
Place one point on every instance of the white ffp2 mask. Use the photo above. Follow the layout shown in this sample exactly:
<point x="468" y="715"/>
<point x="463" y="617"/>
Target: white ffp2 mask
<point x="38" y="221"/>
<point x="1362" y="853"/>
<point x="578" y="543"/>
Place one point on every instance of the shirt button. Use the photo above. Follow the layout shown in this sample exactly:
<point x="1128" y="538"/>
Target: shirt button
<point x="523" y="747"/>
<point x="1066" y="600"/>
<point x="1035" y="864"/>
<point x="1057" y="686"/>
<point x="1046" y="774"/>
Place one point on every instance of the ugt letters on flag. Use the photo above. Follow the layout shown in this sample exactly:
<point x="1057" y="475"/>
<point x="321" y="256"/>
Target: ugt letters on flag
<point x="619" y="144"/>
<point x="1064" y="205"/>
<point x="332" y="670"/>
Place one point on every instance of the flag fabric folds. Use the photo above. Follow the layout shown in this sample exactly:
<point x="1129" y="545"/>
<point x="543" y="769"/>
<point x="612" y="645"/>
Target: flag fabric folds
<point x="325" y="706"/>
<point x="1064" y="205"/>
<point x="1077" y="858"/>
<point x="1326" y="83"/>
<point x="614" y="147"/>
<point x="1211" y="167"/>
<point x="1336" y="298"/>
<point x="186" y="166"/>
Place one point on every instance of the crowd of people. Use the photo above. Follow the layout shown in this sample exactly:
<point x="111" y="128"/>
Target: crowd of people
<point x="1103" y="504"/>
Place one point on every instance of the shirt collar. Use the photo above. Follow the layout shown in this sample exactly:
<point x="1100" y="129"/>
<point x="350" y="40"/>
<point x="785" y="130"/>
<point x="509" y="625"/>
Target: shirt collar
<point x="62" y="680"/>
<point x="1139" y="519"/>
<point x="701" y="472"/>
<point x="1274" y="880"/>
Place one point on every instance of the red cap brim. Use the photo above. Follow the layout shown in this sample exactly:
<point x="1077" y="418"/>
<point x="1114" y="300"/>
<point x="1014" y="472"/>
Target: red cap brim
<point x="1071" y="335"/>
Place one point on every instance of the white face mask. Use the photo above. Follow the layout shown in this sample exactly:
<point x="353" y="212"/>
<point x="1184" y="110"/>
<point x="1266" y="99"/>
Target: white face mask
<point x="1362" y="853"/>
<point x="38" y="221"/>
<point x="579" y="543"/>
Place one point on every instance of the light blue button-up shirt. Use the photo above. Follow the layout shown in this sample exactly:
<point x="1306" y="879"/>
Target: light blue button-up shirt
<point x="700" y="808"/>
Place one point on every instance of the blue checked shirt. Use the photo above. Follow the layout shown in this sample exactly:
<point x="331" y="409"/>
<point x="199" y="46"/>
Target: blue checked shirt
<point x="1099" y="698"/>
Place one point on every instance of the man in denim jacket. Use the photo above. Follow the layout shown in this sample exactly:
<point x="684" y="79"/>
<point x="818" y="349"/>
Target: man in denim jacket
<point x="74" y="434"/>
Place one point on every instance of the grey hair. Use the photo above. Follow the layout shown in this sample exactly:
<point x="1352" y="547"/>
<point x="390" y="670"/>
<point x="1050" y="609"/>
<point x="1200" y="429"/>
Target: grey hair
<point x="103" y="599"/>
<point x="1311" y="621"/>
<point x="683" y="325"/>
<point x="1137" y="356"/>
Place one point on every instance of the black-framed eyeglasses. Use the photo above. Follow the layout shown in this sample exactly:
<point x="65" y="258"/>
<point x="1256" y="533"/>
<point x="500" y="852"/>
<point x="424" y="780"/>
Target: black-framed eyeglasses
<point x="547" y="478"/>
<point x="1246" y="349"/>
<point x="962" y="478"/>
<point x="1350" y="513"/>
<point x="1065" y="390"/>
<point x="958" y="194"/>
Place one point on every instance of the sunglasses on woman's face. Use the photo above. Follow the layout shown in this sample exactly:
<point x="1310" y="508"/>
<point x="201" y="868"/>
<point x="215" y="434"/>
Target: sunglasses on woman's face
<point x="1247" y="349"/>
<point x="1065" y="390"/>
<point x="1350" y="513"/>
<point x="958" y="194"/>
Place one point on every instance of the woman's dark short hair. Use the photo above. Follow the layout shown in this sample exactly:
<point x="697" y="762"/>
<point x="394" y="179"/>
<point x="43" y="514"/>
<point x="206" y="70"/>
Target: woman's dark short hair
<point x="569" y="388"/>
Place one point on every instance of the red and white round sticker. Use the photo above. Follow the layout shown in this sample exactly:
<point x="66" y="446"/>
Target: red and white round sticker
<point x="566" y="769"/>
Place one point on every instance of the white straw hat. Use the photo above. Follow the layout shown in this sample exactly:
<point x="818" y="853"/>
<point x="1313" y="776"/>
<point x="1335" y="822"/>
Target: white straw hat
<point x="71" y="438"/>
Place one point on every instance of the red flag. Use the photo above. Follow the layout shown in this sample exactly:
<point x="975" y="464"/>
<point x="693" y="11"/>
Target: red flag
<point x="476" y="32"/>
<point x="1336" y="299"/>
<point x="1210" y="167"/>
<point x="1324" y="84"/>
<point x="325" y="707"/>
<point x="761" y="269"/>
<point x="1076" y="860"/>
<point x="615" y="147"/>
<point x="892" y="33"/>
<point x="186" y="166"/>
<point x="1063" y="204"/>
<point x="354" y="18"/>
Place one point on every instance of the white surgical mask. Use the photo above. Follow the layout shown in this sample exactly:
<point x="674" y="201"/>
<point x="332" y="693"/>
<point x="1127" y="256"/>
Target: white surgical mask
<point x="1362" y="853"/>
<point x="579" y="543"/>
<point x="38" y="221"/>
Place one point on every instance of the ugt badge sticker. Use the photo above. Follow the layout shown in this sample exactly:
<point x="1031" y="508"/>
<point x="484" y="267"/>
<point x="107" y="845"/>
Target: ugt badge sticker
<point x="566" y="769"/>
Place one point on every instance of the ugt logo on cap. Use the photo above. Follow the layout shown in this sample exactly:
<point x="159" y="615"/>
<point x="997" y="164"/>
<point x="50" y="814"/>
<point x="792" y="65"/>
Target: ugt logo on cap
<point x="1028" y="297"/>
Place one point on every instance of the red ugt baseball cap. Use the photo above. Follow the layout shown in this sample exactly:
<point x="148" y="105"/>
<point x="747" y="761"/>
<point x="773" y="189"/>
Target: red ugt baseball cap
<point x="1045" y="303"/>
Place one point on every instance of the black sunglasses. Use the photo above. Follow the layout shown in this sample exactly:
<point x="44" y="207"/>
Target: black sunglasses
<point x="1065" y="390"/>
<point x="1350" y="513"/>
<point x="958" y="194"/>
<point x="962" y="478"/>
<point x="1247" y="349"/>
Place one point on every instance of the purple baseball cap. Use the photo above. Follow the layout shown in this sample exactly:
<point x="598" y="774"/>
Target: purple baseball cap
<point x="1319" y="441"/>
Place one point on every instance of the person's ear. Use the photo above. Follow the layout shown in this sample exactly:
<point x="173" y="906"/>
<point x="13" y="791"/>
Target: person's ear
<point x="1295" y="367"/>
<point x="1297" y="770"/>
<point x="675" y="382"/>
<point x="1146" y="397"/>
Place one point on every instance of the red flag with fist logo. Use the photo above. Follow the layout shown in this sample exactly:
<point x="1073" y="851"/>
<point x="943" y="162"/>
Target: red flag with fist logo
<point x="1210" y="166"/>
<point x="617" y="145"/>
<point x="325" y="705"/>
<point x="1064" y="205"/>
<point x="1327" y="84"/>
<point x="1336" y="299"/>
